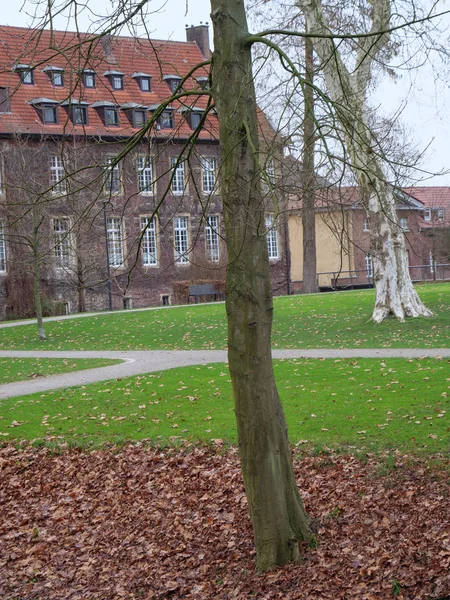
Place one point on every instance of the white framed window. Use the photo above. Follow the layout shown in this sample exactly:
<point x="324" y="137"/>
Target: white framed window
<point x="208" y="174"/>
<point x="178" y="176"/>
<point x="61" y="240"/>
<point x="270" y="170"/>
<point x="27" y="77"/>
<point x="432" y="263"/>
<point x="148" y="241"/>
<point x="212" y="238"/>
<point x="112" y="176"/>
<point x="145" y="174"/>
<point x="114" y="234"/>
<point x="404" y="223"/>
<point x="2" y="248"/>
<point x="181" y="240"/>
<point x="272" y="237"/>
<point x="427" y="214"/>
<point x="366" y="224"/>
<point x="89" y="78"/>
<point x="369" y="265"/>
<point x="440" y="214"/>
<point x="57" y="175"/>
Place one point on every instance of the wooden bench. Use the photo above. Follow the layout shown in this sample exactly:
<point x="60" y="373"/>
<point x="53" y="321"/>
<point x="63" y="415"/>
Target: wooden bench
<point x="207" y="289"/>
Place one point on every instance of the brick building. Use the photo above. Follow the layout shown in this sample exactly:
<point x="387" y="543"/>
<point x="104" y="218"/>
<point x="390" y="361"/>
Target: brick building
<point x="105" y="195"/>
<point x="343" y="235"/>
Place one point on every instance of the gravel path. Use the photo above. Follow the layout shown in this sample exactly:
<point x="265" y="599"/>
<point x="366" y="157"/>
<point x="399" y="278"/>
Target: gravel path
<point x="146" y="361"/>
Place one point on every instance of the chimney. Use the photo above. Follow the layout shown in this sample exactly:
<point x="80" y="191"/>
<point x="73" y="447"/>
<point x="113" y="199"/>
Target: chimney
<point x="199" y="34"/>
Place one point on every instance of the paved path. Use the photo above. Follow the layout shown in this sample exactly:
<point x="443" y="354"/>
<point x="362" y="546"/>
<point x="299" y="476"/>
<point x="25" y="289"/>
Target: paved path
<point x="146" y="361"/>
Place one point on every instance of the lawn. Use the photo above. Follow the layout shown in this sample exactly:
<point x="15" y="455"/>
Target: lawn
<point x="21" y="369"/>
<point x="359" y="403"/>
<point x="334" y="320"/>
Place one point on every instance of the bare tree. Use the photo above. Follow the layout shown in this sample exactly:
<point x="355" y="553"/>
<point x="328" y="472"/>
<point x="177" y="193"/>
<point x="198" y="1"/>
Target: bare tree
<point x="348" y="88"/>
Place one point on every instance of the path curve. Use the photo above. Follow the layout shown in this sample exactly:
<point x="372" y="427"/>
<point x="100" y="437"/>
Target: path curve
<point x="146" y="361"/>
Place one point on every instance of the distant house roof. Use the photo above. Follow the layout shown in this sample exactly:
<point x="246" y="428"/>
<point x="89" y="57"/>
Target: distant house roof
<point x="436" y="201"/>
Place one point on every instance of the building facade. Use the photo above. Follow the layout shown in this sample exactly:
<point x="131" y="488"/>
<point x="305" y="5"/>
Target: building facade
<point x="110" y="191"/>
<point x="343" y="236"/>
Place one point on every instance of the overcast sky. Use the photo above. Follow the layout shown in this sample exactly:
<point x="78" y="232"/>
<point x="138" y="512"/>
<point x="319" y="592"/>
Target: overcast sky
<point x="425" y="106"/>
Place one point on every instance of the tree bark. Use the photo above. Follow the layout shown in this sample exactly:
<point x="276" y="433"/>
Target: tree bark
<point x="308" y="188"/>
<point x="395" y="293"/>
<point x="37" y="222"/>
<point x="276" y="509"/>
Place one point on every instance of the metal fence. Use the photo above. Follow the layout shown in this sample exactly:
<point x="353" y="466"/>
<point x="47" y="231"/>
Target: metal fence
<point x="357" y="278"/>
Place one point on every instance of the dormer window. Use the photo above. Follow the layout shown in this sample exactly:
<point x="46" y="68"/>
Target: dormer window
<point x="109" y="113"/>
<point x="88" y="78"/>
<point x="26" y="73"/>
<point x="115" y="79"/>
<point x="47" y="109"/>
<point x="136" y="113"/>
<point x="165" y="119"/>
<point x="173" y="81"/>
<point x="193" y="116"/>
<point x="78" y="111"/>
<point x="56" y="75"/>
<point x="203" y="82"/>
<point x="144" y="81"/>
<point x="5" y="104"/>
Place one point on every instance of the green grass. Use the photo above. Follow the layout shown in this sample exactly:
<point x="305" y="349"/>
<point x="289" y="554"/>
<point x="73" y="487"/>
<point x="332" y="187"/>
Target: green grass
<point x="361" y="404"/>
<point x="335" y="320"/>
<point x="21" y="369"/>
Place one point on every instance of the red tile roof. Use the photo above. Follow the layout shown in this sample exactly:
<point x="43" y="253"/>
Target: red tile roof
<point x="433" y="198"/>
<point x="128" y="55"/>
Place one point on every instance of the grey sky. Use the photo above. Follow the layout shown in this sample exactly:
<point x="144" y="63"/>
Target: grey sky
<point x="424" y="105"/>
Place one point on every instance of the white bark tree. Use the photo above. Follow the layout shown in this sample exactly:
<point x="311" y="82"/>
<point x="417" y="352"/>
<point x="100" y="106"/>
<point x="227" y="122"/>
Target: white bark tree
<point x="348" y="89"/>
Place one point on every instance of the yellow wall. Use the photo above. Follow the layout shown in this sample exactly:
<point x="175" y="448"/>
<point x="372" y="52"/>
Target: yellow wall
<point x="332" y="255"/>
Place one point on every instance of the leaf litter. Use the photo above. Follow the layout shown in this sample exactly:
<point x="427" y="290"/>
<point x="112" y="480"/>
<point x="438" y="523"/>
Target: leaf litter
<point x="141" y="522"/>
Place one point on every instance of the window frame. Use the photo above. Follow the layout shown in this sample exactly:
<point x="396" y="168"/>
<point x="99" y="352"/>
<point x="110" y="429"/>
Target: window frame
<point x="89" y="74"/>
<point x="78" y="108"/>
<point x="427" y="216"/>
<point x="55" y="74"/>
<point x="27" y="73"/>
<point x="166" y="119"/>
<point x="45" y="108"/>
<point x="180" y="241"/>
<point x="368" y="258"/>
<point x="366" y="224"/>
<point x="107" y="112"/>
<point x="3" y="251"/>
<point x="209" y="175"/>
<point x="112" y="185"/>
<point x="177" y="167"/>
<point x="212" y="239"/>
<point x="5" y="104"/>
<point x="149" y="241"/>
<point x="173" y="81"/>
<point x="58" y="181"/>
<point x="136" y="111"/>
<point x="273" y="249"/>
<point x="115" y="239"/>
<point x="142" y="173"/>
<point x="62" y="242"/>
<point x="403" y="222"/>
<point x="141" y="81"/>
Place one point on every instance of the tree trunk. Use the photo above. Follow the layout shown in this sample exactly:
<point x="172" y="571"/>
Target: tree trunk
<point x="395" y="294"/>
<point x="308" y="188"/>
<point x="276" y="509"/>
<point x="37" y="276"/>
